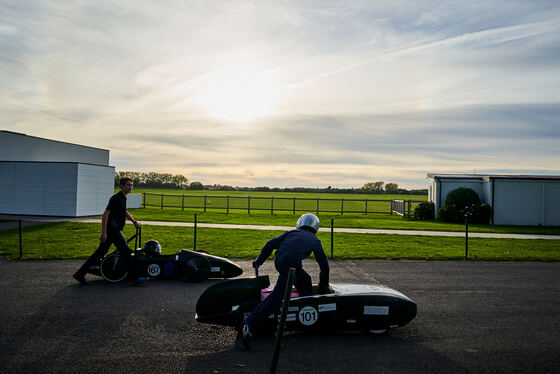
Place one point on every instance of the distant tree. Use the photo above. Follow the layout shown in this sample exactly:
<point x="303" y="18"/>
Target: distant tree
<point x="373" y="187"/>
<point x="392" y="188"/>
<point x="196" y="186"/>
<point x="153" y="179"/>
<point x="180" y="181"/>
<point x="165" y="180"/>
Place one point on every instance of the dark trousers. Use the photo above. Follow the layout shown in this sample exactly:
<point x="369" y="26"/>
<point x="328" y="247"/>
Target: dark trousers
<point x="116" y="238"/>
<point x="273" y="302"/>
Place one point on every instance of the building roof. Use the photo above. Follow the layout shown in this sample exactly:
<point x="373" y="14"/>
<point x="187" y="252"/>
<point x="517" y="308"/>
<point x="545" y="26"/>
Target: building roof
<point x="21" y="147"/>
<point x="493" y="176"/>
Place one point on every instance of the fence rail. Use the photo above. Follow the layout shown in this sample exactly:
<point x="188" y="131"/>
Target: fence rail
<point x="275" y="204"/>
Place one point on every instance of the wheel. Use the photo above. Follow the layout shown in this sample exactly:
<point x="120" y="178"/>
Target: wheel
<point x="197" y="269"/>
<point x="113" y="269"/>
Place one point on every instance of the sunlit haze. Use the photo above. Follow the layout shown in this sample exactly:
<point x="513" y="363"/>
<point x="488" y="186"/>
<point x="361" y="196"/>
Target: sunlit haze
<point x="290" y="93"/>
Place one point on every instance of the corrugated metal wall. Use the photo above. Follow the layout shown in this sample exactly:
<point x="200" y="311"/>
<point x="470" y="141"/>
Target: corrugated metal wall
<point x="526" y="202"/>
<point x="54" y="188"/>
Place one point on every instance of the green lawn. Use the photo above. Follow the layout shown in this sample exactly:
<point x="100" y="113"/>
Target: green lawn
<point x="369" y="221"/>
<point x="288" y="218"/>
<point x="72" y="240"/>
<point x="272" y="202"/>
<point x="78" y="240"/>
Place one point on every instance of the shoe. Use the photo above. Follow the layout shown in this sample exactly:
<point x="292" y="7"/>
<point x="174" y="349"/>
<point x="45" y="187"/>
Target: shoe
<point x="138" y="281"/>
<point x="246" y="336"/>
<point x="80" y="278"/>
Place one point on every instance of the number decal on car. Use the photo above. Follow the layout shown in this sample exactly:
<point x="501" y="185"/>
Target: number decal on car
<point x="308" y="316"/>
<point x="153" y="270"/>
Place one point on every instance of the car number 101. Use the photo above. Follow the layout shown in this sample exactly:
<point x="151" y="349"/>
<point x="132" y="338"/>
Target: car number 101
<point x="308" y="316"/>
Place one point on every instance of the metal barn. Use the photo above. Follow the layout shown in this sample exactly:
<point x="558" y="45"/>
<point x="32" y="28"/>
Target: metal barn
<point x="515" y="199"/>
<point x="42" y="177"/>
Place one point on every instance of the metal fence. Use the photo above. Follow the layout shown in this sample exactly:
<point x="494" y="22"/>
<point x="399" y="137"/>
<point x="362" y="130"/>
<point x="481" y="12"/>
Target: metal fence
<point x="274" y="204"/>
<point x="404" y="208"/>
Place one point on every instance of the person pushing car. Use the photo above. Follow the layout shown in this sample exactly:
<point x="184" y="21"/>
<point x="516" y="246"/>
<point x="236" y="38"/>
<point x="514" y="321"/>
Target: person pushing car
<point x="112" y="223"/>
<point x="291" y="248"/>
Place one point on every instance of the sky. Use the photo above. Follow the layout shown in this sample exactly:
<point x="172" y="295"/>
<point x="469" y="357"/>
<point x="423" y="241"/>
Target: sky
<point x="290" y="93"/>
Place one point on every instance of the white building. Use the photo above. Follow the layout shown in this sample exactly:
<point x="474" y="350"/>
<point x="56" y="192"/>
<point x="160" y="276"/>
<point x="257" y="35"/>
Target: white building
<point x="515" y="199"/>
<point x="42" y="177"/>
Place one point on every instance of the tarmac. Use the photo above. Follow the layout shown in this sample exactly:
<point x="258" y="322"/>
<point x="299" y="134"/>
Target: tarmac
<point x="473" y="317"/>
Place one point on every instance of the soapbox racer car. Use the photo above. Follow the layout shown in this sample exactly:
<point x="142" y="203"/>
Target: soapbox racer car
<point x="193" y="266"/>
<point x="370" y="308"/>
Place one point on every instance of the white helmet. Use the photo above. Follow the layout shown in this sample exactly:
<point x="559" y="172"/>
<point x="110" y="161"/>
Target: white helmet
<point x="309" y="220"/>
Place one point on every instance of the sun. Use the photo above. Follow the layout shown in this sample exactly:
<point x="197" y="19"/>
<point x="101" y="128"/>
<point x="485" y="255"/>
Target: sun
<point x="238" y="93"/>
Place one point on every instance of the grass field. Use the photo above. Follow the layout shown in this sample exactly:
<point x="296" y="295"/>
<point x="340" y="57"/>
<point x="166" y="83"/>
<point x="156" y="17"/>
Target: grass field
<point x="272" y="202"/>
<point x="73" y="240"/>
<point x="369" y="221"/>
<point x="287" y="218"/>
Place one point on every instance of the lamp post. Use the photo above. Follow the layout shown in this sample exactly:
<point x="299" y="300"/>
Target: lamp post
<point x="468" y="212"/>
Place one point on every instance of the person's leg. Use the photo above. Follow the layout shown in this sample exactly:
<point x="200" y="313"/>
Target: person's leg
<point x="101" y="251"/>
<point x="303" y="283"/>
<point x="268" y="306"/>
<point x="125" y="252"/>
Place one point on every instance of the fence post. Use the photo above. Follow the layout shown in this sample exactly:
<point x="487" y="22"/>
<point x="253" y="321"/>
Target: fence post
<point x="183" y="202"/>
<point x="342" y="206"/>
<point x="227" y="205"/>
<point x="294" y="205"/>
<point x="195" y="222"/>
<point x="272" y="205"/>
<point x="20" y="241"/>
<point x="332" y="238"/>
<point x="317" y="206"/>
<point x="466" y="237"/>
<point x="205" y="203"/>
<point x="162" y="201"/>
<point x="249" y="204"/>
<point x="143" y="199"/>
<point x="391" y="208"/>
<point x="366" y="207"/>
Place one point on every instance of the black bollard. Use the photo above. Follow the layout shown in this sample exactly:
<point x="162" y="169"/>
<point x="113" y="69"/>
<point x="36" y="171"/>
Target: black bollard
<point x="282" y="323"/>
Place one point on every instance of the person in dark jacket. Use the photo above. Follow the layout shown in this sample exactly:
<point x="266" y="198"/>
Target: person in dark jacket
<point x="291" y="248"/>
<point x="112" y="223"/>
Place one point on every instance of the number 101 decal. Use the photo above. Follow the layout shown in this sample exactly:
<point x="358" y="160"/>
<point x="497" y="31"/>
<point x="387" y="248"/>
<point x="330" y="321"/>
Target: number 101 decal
<point x="308" y="316"/>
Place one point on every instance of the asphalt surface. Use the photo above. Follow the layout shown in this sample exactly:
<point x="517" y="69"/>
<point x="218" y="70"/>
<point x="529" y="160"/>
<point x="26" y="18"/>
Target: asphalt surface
<point x="473" y="317"/>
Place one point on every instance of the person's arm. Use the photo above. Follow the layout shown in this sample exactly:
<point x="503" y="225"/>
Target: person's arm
<point x="135" y="222"/>
<point x="321" y="259"/>
<point x="270" y="246"/>
<point x="104" y="220"/>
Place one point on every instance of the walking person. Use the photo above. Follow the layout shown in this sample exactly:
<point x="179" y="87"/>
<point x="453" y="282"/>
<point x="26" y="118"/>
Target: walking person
<point x="291" y="248"/>
<point x="112" y="223"/>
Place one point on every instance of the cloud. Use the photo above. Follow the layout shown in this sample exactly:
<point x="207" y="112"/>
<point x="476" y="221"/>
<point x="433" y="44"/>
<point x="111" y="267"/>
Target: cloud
<point x="362" y="90"/>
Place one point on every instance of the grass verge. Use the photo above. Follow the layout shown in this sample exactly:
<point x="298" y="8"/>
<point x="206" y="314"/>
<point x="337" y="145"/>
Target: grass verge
<point x="74" y="240"/>
<point x="369" y="221"/>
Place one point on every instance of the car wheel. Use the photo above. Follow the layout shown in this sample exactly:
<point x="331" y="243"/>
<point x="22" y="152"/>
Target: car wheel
<point x="197" y="269"/>
<point x="113" y="269"/>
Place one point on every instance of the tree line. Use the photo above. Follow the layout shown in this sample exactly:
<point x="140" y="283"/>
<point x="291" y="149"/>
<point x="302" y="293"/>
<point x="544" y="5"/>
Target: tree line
<point x="153" y="179"/>
<point x="165" y="180"/>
